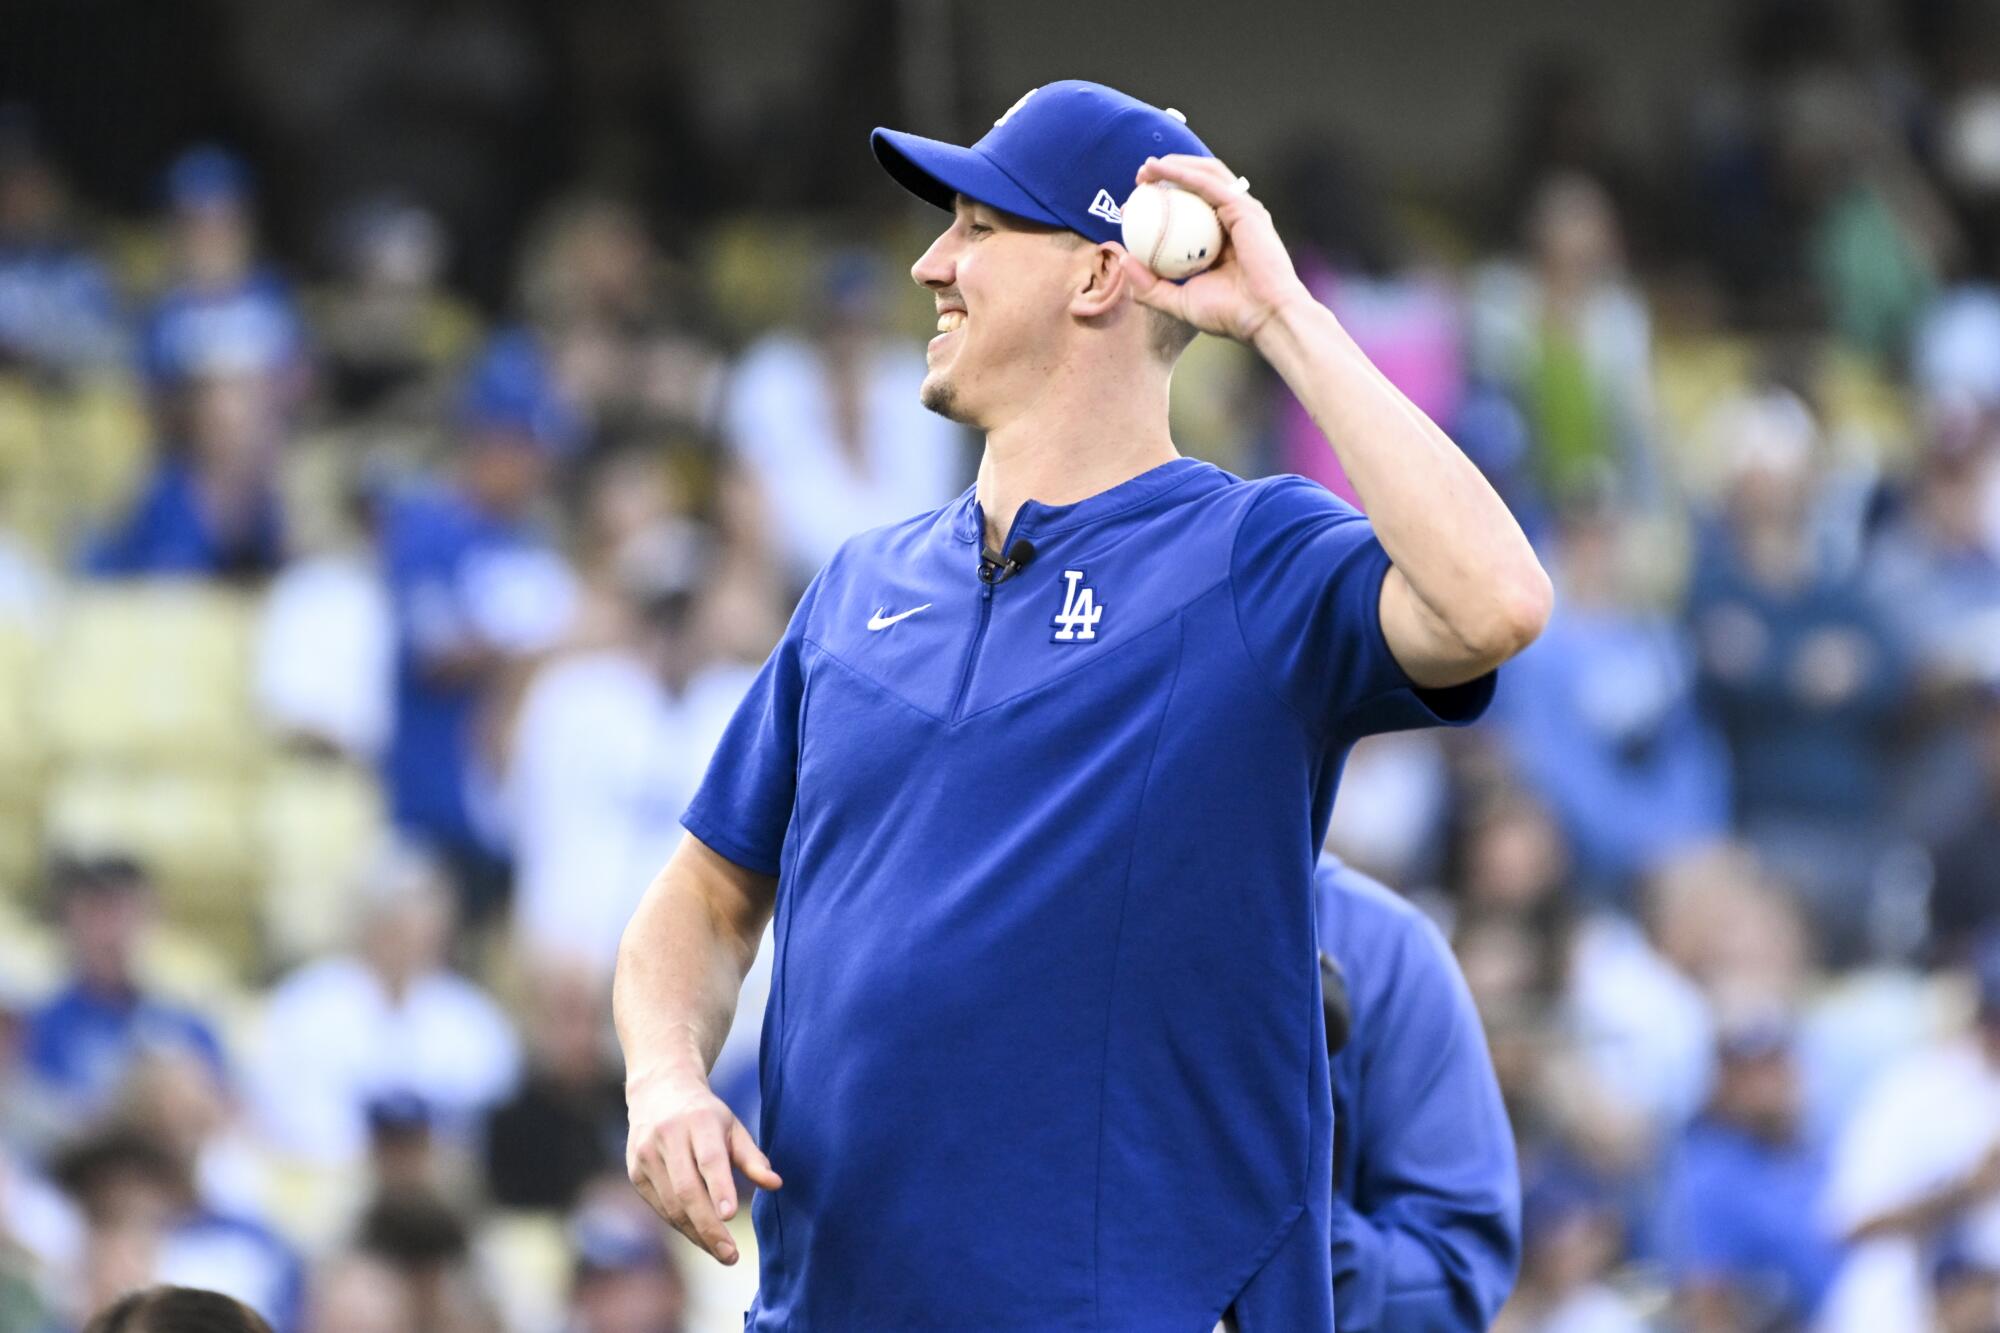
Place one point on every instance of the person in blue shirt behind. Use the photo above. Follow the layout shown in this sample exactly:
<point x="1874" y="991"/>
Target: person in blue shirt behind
<point x="1742" y="1201"/>
<point x="1033" y="788"/>
<point x="476" y="587"/>
<point x="210" y="508"/>
<point x="80" y="1043"/>
<point x="58" y="309"/>
<point x="225" y="312"/>
<point x="1427" y="1192"/>
<point x="1601" y="719"/>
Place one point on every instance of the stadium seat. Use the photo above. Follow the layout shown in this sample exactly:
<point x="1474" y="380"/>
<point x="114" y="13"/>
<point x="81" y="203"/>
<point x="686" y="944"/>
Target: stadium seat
<point x="192" y="831"/>
<point x="98" y="448"/>
<point x="316" y="822"/>
<point x="152" y="672"/>
<point x="21" y="757"/>
<point x="525" y="1259"/>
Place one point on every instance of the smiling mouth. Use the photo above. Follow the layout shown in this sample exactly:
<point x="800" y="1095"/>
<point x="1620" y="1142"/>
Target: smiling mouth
<point x="951" y="321"/>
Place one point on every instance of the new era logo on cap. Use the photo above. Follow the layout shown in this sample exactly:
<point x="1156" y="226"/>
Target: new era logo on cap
<point x="1064" y="154"/>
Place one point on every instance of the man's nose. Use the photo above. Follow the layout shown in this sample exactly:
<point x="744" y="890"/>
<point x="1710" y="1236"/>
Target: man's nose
<point x="936" y="267"/>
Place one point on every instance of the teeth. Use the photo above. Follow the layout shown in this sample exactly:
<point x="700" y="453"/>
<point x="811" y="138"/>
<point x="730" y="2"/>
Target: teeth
<point x="950" y="321"/>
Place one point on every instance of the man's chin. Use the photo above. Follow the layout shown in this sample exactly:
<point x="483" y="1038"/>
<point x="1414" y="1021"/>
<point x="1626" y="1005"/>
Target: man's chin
<point x="941" y="396"/>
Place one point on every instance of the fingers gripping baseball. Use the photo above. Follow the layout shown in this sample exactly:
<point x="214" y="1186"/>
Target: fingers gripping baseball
<point x="679" y="1158"/>
<point x="1251" y="278"/>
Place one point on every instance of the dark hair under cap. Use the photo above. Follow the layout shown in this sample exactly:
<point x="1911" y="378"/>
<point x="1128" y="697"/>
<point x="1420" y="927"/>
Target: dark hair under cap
<point x="177" y="1310"/>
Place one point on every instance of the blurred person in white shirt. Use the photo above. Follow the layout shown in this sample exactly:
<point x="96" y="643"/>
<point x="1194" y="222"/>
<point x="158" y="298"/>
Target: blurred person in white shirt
<point x="1917" y="1172"/>
<point x="830" y="426"/>
<point x="609" y="746"/>
<point x="325" y="671"/>
<point x="342" y="1032"/>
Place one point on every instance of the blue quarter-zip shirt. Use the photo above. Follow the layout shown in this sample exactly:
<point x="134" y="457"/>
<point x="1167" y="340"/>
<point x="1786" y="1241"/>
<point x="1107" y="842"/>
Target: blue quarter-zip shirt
<point x="1044" y="1048"/>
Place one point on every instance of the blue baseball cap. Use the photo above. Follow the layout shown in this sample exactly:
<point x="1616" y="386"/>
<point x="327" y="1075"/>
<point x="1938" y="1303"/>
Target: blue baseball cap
<point x="207" y="177"/>
<point x="511" y="390"/>
<point x="1066" y="154"/>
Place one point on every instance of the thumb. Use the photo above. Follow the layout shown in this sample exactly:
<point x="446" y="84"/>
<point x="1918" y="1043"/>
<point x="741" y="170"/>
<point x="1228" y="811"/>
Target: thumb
<point x="1149" y="288"/>
<point x="751" y="1159"/>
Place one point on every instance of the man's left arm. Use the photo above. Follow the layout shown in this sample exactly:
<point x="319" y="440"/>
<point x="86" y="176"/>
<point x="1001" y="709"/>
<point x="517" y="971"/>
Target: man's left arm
<point x="1465" y="591"/>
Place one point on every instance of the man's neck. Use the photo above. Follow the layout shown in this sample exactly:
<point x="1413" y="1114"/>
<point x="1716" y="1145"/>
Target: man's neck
<point x="1064" y="449"/>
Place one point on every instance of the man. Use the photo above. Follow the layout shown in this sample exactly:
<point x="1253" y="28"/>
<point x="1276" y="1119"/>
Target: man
<point x="1916" y="1172"/>
<point x="477" y="591"/>
<point x="1036" y="782"/>
<point x="81" y="1042"/>
<point x="1427" y="1195"/>
<point x="1742" y="1191"/>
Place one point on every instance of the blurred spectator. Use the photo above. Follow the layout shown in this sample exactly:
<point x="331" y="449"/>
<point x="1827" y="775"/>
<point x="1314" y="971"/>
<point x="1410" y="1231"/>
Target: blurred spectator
<point x="478" y="591"/>
<point x="608" y="749"/>
<point x="830" y="428"/>
<point x="1405" y="316"/>
<point x="1566" y="332"/>
<point x="147" y="1226"/>
<point x="623" y="1280"/>
<point x="41" y="1242"/>
<point x="1742" y="1194"/>
<point x="1569" y="1231"/>
<point x="225" y="314"/>
<point x="616" y="323"/>
<point x="1799" y="670"/>
<point x="402" y="1151"/>
<point x="1965" y="1292"/>
<point x="388" y="331"/>
<point x="1881" y="237"/>
<point x="424" y="1242"/>
<point x="178" y="1310"/>
<point x="82" y="1042"/>
<point x="178" y="1100"/>
<point x="326" y="644"/>
<point x="564" y="1125"/>
<point x="1560" y="126"/>
<point x="341" y="1032"/>
<point x="210" y="509"/>
<point x="1917" y="1170"/>
<point x="359" y="1293"/>
<point x="58" y="311"/>
<point x="1965" y="900"/>
<point x="1600" y="716"/>
<point x="1935" y="572"/>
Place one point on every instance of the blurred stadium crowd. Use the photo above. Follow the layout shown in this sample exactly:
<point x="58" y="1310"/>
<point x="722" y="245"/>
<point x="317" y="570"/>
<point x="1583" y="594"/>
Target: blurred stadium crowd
<point x="372" y="591"/>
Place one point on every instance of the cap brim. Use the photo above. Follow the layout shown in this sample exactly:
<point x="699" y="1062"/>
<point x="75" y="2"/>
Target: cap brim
<point x="937" y="172"/>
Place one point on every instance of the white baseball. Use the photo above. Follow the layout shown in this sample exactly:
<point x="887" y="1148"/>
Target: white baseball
<point x="1169" y="230"/>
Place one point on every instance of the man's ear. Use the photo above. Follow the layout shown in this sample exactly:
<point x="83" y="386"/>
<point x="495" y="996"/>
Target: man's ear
<point x="1103" y="283"/>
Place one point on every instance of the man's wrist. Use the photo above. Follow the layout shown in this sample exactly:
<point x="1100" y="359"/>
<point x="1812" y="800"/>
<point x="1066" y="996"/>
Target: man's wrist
<point x="1285" y="324"/>
<point x="665" y="1074"/>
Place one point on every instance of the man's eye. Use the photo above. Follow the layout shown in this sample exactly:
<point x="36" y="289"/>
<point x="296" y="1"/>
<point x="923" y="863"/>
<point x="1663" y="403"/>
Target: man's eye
<point x="976" y="228"/>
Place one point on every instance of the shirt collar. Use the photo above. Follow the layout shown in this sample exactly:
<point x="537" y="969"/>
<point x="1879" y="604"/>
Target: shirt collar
<point x="1036" y="517"/>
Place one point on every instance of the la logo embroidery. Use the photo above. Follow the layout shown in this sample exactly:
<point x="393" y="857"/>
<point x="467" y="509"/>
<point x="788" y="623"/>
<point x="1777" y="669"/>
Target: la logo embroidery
<point x="1077" y="621"/>
<point x="1106" y="207"/>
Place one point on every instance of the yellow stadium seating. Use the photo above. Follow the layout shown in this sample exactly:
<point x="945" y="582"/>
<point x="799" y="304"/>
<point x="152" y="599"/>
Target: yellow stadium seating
<point x="316" y="823"/>
<point x="190" y="830"/>
<point x="152" y="672"/>
<point x="21" y="758"/>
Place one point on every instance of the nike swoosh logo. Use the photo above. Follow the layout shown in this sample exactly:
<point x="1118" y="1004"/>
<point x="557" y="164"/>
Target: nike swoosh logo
<point x="880" y="621"/>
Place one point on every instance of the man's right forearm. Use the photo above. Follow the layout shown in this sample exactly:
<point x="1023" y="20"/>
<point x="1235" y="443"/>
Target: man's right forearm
<point x="681" y="965"/>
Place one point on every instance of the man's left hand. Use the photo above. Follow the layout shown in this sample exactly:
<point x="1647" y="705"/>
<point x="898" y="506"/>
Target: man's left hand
<point x="1249" y="281"/>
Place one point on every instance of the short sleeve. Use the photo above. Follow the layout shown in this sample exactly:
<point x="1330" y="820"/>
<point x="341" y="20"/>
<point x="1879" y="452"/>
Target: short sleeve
<point x="1307" y="572"/>
<point x="744" y="803"/>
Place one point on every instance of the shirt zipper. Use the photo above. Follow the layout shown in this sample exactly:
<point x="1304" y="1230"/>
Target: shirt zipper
<point x="972" y="653"/>
<point x="985" y="607"/>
